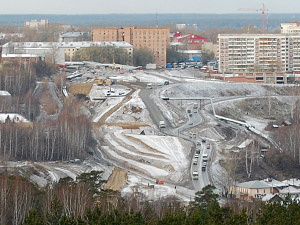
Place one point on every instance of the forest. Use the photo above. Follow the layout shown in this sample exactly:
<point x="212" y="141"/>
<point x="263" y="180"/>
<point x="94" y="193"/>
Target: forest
<point x="63" y="137"/>
<point x="83" y="202"/>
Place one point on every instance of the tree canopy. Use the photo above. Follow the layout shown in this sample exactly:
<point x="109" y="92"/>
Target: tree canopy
<point x="142" y="56"/>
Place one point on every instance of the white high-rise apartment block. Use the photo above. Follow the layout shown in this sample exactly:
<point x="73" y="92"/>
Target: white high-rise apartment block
<point x="34" y="24"/>
<point x="258" y="53"/>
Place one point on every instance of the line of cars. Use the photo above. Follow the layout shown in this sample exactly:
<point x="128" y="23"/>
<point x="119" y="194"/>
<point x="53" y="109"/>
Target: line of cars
<point x="204" y="159"/>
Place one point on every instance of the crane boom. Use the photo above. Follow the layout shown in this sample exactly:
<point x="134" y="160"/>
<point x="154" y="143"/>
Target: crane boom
<point x="263" y="10"/>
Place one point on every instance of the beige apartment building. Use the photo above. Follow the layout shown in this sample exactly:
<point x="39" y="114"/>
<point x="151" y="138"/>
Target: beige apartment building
<point x="258" y="53"/>
<point x="154" y="39"/>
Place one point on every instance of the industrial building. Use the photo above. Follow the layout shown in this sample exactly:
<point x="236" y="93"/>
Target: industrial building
<point x="75" y="36"/>
<point x="154" y="39"/>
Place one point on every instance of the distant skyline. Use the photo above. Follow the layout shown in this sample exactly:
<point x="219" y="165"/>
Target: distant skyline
<point x="140" y="6"/>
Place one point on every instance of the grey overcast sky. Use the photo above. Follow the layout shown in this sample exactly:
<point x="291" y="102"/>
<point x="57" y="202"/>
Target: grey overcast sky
<point x="143" y="6"/>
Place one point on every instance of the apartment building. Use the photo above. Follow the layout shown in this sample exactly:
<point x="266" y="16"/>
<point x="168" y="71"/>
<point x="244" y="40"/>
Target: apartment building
<point x="36" y="25"/>
<point x="154" y="39"/>
<point x="258" y="53"/>
<point x="290" y="28"/>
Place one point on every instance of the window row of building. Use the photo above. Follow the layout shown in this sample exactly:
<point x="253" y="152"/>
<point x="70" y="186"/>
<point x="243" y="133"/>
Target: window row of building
<point x="155" y="40"/>
<point x="271" y="52"/>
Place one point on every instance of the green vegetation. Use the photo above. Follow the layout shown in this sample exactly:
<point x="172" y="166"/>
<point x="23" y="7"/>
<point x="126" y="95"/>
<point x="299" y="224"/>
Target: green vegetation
<point x="103" y="55"/>
<point x="174" y="56"/>
<point x="142" y="56"/>
<point x="74" y="202"/>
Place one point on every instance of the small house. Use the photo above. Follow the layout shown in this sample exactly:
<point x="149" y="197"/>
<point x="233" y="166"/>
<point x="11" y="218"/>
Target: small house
<point x="251" y="190"/>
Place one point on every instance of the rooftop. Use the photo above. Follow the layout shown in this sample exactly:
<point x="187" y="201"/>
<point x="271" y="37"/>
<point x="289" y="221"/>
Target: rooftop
<point x="14" y="117"/>
<point x="73" y="34"/>
<point x="290" y="190"/>
<point x="4" y="93"/>
<point x="254" y="184"/>
<point x="81" y="44"/>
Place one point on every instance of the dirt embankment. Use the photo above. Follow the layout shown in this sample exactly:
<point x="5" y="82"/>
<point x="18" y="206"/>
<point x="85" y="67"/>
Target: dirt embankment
<point x="116" y="180"/>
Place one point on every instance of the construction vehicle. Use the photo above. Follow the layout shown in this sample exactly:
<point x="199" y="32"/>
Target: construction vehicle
<point x="100" y="82"/>
<point x="160" y="182"/>
<point x="108" y="82"/>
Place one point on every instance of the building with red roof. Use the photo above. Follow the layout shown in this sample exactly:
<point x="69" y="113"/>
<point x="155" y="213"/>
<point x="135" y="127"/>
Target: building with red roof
<point x="189" y="41"/>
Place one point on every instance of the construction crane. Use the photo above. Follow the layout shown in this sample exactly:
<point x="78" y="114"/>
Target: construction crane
<point x="263" y="11"/>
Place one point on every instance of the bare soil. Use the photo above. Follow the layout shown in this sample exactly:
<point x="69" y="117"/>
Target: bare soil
<point x="82" y="88"/>
<point x="116" y="180"/>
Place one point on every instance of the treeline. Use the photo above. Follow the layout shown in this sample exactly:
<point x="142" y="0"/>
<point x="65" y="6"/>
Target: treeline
<point x="19" y="80"/>
<point x="83" y="202"/>
<point x="287" y="158"/>
<point x="102" y="54"/>
<point x="45" y="139"/>
<point x="66" y="138"/>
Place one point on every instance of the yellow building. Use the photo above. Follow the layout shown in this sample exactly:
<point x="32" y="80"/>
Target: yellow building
<point x="248" y="191"/>
<point x="154" y="39"/>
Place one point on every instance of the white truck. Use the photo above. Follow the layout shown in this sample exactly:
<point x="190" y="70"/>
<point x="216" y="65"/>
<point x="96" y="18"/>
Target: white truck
<point x="162" y="124"/>
<point x="195" y="161"/>
<point x="150" y="66"/>
<point x="205" y="157"/>
<point x="195" y="106"/>
<point x="195" y="175"/>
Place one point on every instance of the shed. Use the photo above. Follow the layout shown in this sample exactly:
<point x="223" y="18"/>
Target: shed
<point x="286" y="123"/>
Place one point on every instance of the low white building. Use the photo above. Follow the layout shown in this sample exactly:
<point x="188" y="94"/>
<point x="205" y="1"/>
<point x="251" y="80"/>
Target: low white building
<point x="13" y="117"/>
<point x="56" y="51"/>
<point x="5" y="100"/>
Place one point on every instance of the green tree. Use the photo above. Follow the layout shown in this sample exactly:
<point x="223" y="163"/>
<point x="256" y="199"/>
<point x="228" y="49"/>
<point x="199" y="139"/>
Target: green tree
<point x="207" y="56"/>
<point x="43" y="69"/>
<point x="142" y="56"/>
<point x="204" y="197"/>
<point x="102" y="54"/>
<point x="94" y="179"/>
<point x="272" y="213"/>
<point x="55" y="213"/>
<point x="34" y="218"/>
<point x="173" y="56"/>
